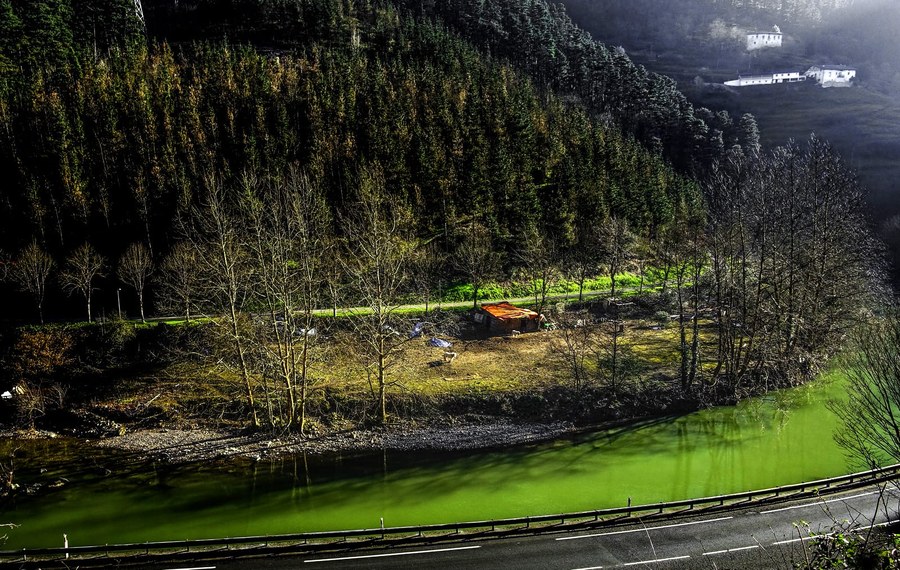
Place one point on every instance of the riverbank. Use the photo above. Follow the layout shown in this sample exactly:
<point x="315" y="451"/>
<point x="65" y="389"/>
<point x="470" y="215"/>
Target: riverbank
<point x="191" y="445"/>
<point x="111" y="496"/>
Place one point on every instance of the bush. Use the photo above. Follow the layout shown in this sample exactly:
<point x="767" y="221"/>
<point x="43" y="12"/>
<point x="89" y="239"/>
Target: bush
<point x="661" y="318"/>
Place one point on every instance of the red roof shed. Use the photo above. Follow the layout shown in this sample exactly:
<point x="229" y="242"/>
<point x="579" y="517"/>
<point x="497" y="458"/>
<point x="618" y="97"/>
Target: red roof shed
<point x="505" y="317"/>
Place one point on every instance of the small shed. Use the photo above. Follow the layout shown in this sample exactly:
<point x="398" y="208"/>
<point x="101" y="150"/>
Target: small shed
<point x="504" y="317"/>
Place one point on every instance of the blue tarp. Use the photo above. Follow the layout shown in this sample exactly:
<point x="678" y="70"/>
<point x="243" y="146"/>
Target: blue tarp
<point x="439" y="343"/>
<point x="417" y="330"/>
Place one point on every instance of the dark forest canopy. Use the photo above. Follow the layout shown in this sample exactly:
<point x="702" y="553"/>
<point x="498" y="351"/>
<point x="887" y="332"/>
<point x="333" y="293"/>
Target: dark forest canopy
<point x="533" y="36"/>
<point x="496" y="113"/>
<point x="111" y="144"/>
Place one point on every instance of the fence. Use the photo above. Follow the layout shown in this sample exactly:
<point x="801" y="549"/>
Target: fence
<point x="451" y="531"/>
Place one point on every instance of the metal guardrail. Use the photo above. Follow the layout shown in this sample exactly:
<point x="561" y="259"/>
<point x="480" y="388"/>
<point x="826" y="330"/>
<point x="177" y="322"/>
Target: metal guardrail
<point x="311" y="540"/>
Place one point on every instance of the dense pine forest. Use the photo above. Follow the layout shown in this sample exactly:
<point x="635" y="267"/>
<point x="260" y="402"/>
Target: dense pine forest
<point x="258" y="161"/>
<point x="108" y="137"/>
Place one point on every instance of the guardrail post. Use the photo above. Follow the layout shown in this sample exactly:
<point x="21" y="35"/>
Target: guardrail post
<point x="527" y="522"/>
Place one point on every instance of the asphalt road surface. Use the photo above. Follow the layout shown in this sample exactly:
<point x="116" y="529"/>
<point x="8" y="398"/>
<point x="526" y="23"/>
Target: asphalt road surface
<point x="767" y="537"/>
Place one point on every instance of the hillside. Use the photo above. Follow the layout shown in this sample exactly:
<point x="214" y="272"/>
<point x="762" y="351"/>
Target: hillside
<point x="120" y="145"/>
<point x="700" y="43"/>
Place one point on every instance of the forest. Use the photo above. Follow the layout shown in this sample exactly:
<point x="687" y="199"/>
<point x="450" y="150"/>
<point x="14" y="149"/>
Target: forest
<point x="258" y="163"/>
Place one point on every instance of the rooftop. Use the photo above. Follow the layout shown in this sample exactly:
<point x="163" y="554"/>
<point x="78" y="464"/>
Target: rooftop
<point x="505" y="311"/>
<point x="835" y="67"/>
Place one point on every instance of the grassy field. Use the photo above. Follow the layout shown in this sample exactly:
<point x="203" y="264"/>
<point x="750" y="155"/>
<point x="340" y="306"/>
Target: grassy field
<point x="488" y="368"/>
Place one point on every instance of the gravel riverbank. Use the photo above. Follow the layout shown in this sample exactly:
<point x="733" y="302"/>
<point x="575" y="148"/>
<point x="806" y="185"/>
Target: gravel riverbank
<point x="184" y="446"/>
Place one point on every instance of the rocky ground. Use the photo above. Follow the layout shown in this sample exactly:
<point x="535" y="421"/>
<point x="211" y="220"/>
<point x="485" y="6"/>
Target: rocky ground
<point x="183" y="446"/>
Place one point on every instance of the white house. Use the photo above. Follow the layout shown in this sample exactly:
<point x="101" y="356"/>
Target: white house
<point x="760" y="40"/>
<point x="832" y="75"/>
<point x="744" y="81"/>
<point x="788" y="77"/>
<point x="781" y="77"/>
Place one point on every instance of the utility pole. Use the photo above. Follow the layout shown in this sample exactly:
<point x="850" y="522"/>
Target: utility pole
<point x="119" y="301"/>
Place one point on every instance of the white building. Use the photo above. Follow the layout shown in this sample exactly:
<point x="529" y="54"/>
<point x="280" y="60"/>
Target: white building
<point x="760" y="40"/>
<point x="781" y="77"/>
<point x="832" y="75"/>
<point x="744" y="81"/>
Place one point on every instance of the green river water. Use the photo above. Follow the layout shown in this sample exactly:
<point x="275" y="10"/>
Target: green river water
<point x="783" y="438"/>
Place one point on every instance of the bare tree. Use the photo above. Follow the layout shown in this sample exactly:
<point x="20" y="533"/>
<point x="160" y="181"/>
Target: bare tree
<point x="181" y="278"/>
<point x="476" y="259"/>
<point x="286" y="223"/>
<point x="577" y="347"/>
<point x="791" y="262"/>
<point x="616" y="245"/>
<point x="30" y="271"/>
<point x="585" y="255"/>
<point x="135" y="267"/>
<point x="428" y="267"/>
<point x="540" y="266"/>
<point x="378" y="257"/>
<point x="82" y="267"/>
<point x="224" y="265"/>
<point x="870" y="423"/>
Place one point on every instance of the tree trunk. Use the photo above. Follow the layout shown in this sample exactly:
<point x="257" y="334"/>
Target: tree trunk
<point x="245" y="374"/>
<point x="381" y="390"/>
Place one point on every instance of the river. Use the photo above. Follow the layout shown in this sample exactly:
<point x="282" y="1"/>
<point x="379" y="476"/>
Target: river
<point x="785" y="437"/>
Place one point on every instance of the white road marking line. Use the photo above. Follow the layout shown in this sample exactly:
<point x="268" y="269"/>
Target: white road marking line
<point x="751" y="547"/>
<point x="818" y="503"/>
<point x="643" y="529"/>
<point x="655" y="561"/>
<point x="590" y="568"/>
<point x="390" y="554"/>
<point x="195" y="568"/>
<point x="805" y="538"/>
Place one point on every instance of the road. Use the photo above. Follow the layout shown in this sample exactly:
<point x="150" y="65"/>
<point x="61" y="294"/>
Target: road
<point x="764" y="537"/>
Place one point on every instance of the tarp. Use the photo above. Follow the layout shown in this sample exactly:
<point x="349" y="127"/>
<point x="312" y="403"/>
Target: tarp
<point x="416" y="332"/>
<point x="439" y="343"/>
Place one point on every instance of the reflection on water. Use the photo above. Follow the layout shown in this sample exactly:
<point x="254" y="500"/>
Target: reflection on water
<point x="782" y="438"/>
